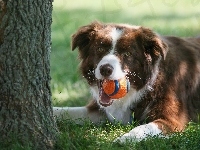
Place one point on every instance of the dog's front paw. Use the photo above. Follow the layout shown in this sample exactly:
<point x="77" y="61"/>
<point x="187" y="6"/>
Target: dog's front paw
<point x="125" y="138"/>
<point x="139" y="133"/>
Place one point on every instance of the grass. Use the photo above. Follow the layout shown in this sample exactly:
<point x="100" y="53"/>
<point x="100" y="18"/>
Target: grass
<point x="180" y="18"/>
<point x="90" y="137"/>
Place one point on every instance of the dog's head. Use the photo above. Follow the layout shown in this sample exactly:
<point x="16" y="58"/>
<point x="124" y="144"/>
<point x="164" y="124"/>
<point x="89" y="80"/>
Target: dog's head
<point x="114" y="51"/>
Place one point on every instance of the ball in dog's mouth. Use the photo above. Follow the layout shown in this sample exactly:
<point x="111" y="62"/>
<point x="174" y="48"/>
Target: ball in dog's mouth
<point x="105" y="100"/>
<point x="110" y="90"/>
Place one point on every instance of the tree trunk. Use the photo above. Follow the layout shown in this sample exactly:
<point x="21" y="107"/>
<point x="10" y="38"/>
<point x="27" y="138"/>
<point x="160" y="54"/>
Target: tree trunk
<point x="25" y="95"/>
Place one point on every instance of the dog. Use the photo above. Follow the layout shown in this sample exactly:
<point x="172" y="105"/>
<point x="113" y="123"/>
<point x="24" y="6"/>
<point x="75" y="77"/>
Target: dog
<point x="163" y="71"/>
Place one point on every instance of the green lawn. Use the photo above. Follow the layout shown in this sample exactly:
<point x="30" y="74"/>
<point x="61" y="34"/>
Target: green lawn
<point x="91" y="137"/>
<point x="173" y="17"/>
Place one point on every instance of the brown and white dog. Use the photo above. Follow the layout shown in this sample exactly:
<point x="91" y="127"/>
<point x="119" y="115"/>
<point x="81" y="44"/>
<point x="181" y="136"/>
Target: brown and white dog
<point x="164" y="75"/>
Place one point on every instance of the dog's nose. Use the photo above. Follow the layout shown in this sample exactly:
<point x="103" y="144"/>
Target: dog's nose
<point x="106" y="70"/>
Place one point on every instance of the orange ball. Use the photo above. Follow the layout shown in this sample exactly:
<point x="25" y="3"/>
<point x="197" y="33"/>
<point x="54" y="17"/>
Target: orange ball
<point x="116" y="89"/>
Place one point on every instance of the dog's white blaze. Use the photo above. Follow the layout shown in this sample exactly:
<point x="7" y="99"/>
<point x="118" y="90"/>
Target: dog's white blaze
<point x="115" y="63"/>
<point x="111" y="59"/>
<point x="140" y="132"/>
<point x="115" y="35"/>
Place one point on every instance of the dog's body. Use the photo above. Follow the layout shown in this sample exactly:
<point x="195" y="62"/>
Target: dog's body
<point x="164" y="75"/>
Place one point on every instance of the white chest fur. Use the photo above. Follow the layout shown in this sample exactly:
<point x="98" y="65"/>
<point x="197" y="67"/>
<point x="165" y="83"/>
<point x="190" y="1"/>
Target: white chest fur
<point x="120" y="110"/>
<point x="115" y="113"/>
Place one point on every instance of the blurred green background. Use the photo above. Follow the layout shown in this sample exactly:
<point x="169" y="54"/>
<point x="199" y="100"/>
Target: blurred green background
<point x="167" y="17"/>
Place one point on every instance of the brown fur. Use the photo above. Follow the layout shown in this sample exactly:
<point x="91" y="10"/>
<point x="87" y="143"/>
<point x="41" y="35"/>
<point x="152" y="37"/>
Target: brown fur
<point x="175" y="99"/>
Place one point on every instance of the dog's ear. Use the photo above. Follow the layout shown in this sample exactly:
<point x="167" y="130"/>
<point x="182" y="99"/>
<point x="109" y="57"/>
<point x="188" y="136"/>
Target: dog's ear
<point x="152" y="44"/>
<point x="83" y="36"/>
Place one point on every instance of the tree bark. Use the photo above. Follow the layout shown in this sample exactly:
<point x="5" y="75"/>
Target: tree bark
<point x="25" y="95"/>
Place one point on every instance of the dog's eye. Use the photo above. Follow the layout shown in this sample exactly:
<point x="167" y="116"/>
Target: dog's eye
<point x="100" y="50"/>
<point x="127" y="54"/>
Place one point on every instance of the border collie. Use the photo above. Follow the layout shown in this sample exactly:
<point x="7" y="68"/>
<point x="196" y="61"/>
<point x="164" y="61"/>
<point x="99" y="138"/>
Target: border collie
<point x="163" y="71"/>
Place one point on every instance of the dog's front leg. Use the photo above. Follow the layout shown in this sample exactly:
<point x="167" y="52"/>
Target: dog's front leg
<point x="81" y="114"/>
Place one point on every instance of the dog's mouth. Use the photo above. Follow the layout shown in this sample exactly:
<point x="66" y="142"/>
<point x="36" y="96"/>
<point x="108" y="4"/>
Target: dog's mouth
<point x="105" y="100"/>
